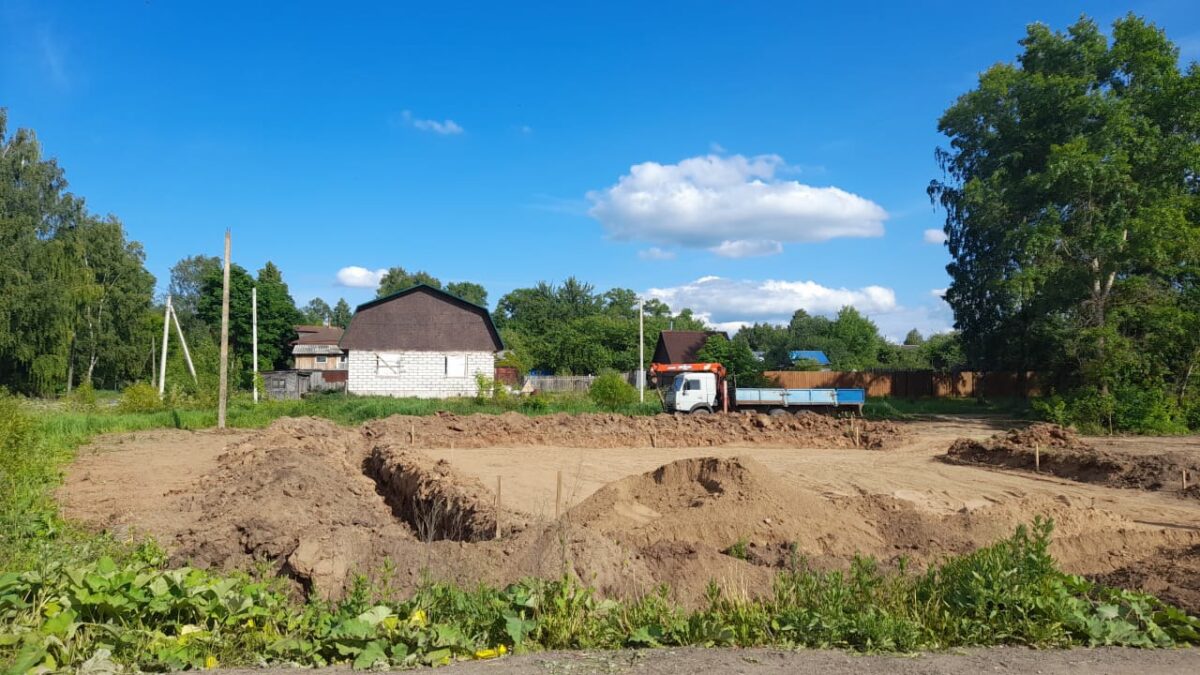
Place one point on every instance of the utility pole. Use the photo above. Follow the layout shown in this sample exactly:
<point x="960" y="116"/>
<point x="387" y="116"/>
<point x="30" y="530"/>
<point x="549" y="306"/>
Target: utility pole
<point x="162" y="368"/>
<point x="187" y="355"/>
<point x="254" y="335"/>
<point x="223" y="392"/>
<point x="641" y="350"/>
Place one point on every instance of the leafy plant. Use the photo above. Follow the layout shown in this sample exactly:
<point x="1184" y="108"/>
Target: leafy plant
<point x="610" y="391"/>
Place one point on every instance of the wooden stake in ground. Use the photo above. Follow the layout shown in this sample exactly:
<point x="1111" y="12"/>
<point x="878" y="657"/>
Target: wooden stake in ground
<point x="497" y="507"/>
<point x="254" y="335"/>
<point x="187" y="355"/>
<point x="162" y="368"/>
<point x="558" y="496"/>
<point x="223" y="390"/>
<point x="1037" y="457"/>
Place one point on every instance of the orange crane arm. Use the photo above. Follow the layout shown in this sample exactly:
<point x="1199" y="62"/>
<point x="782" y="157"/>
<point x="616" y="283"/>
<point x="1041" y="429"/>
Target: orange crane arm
<point x="664" y="368"/>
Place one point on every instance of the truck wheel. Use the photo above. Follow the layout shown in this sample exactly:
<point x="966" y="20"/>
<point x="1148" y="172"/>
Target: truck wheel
<point x="701" y="411"/>
<point x="776" y="412"/>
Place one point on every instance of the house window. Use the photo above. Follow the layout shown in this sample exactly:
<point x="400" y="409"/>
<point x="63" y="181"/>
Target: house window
<point x="321" y="359"/>
<point x="387" y="365"/>
<point x="456" y="365"/>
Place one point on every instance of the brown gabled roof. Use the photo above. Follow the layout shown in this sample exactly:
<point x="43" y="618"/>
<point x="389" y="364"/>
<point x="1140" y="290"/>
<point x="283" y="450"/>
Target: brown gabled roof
<point x="318" y="335"/>
<point x="680" y="346"/>
<point x="421" y="318"/>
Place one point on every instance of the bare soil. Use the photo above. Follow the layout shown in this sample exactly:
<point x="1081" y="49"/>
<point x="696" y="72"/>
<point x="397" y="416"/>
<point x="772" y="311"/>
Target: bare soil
<point x="1063" y="453"/>
<point x="1102" y="661"/>
<point x="319" y="502"/>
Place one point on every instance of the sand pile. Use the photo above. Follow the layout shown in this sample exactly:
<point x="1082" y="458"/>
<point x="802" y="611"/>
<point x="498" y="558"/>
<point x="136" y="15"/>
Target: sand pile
<point x="1065" y="455"/>
<point x="804" y="430"/>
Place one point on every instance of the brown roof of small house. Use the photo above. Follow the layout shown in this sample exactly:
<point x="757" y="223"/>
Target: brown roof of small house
<point x="318" y="335"/>
<point x="421" y="318"/>
<point x="680" y="346"/>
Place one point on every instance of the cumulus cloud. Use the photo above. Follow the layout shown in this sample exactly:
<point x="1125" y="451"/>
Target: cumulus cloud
<point x="723" y="300"/>
<point x="729" y="304"/>
<point x="729" y="203"/>
<point x="359" y="277"/>
<point x="656" y="253"/>
<point x="445" y="127"/>
<point x="747" y="248"/>
<point x="934" y="236"/>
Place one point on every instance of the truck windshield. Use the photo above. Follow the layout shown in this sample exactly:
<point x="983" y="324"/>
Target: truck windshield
<point x="678" y="386"/>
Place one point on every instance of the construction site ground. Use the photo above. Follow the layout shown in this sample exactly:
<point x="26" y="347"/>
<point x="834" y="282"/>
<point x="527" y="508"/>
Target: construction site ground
<point x="642" y="502"/>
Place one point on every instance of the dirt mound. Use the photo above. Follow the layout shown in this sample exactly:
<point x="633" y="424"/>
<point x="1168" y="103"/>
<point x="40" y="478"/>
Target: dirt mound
<point x="319" y="504"/>
<point x="805" y="430"/>
<point x="1064" y="454"/>
<point x="695" y="519"/>
<point x="1170" y="574"/>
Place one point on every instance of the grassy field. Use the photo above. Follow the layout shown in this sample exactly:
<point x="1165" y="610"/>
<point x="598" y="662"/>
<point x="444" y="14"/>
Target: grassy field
<point x="69" y="598"/>
<point x="902" y="408"/>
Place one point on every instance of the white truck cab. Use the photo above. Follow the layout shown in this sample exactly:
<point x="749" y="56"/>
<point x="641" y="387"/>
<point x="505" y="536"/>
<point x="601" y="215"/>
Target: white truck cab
<point x="692" y="392"/>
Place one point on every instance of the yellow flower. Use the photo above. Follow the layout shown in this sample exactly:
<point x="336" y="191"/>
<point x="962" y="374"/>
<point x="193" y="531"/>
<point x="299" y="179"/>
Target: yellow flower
<point x="418" y="618"/>
<point x="250" y="623"/>
<point x="210" y="662"/>
<point x="391" y="622"/>
<point x="491" y="653"/>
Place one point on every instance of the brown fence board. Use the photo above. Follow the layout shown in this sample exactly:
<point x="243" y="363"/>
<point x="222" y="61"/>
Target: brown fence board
<point x="914" y="383"/>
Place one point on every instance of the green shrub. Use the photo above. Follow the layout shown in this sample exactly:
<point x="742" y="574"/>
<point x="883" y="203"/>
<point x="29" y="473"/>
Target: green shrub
<point x="610" y="391"/>
<point x="83" y="396"/>
<point x="140" y="397"/>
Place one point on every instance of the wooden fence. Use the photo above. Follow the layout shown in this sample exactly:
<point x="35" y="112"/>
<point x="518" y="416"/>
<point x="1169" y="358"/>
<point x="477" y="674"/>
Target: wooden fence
<point x="915" y="383"/>
<point x="560" y="383"/>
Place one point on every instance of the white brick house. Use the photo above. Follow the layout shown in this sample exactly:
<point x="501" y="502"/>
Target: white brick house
<point x="420" y="342"/>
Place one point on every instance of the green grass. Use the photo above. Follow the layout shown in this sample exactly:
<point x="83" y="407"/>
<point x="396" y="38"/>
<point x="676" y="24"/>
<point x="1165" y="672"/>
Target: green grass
<point x="903" y="408"/>
<point x="71" y="599"/>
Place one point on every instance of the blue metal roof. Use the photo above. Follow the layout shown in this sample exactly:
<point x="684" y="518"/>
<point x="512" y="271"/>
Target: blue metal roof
<point x="819" y="357"/>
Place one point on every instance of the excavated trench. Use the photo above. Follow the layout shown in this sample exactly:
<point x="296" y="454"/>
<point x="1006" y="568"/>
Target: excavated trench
<point x="435" y="504"/>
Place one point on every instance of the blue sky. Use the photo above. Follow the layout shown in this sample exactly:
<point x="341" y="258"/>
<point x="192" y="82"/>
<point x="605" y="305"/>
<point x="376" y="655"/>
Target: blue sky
<point x="744" y="159"/>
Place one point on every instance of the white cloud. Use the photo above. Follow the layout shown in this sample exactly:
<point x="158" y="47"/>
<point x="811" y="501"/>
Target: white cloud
<point x="359" y="277"/>
<point x="704" y="202"/>
<point x="747" y="248"/>
<point x="729" y="304"/>
<point x="724" y="300"/>
<point x="933" y="236"/>
<point x="939" y="293"/>
<point x="656" y="253"/>
<point x="716" y="148"/>
<point x="445" y="127"/>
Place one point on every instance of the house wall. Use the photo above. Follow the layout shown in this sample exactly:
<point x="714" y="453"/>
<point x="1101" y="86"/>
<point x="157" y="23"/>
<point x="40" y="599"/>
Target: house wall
<point x="419" y="374"/>
<point x="309" y="362"/>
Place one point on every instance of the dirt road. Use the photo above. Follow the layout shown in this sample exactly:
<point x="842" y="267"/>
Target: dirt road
<point x="1107" y="661"/>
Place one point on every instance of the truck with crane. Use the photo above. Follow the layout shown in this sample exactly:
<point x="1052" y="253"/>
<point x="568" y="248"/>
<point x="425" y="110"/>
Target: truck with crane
<point x="702" y="388"/>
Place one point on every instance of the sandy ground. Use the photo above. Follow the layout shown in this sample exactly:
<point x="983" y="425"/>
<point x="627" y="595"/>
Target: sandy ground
<point x="312" y="498"/>
<point x="908" y="472"/>
<point x="768" y="661"/>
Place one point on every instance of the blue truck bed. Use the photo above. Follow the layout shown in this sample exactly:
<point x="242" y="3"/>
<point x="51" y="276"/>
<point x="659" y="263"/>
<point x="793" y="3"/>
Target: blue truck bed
<point x="799" y="398"/>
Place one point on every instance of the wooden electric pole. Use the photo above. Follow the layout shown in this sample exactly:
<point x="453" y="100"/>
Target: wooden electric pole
<point x="223" y="392"/>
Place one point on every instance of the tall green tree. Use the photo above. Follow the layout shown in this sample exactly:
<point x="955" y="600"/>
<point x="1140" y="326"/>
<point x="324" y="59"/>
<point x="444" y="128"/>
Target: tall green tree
<point x="277" y="318"/>
<point x="341" y="314"/>
<point x="317" y="312"/>
<point x="1071" y="193"/>
<point x="469" y="291"/>
<point x="187" y="280"/>
<point x="397" y="279"/>
<point x="73" y="288"/>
